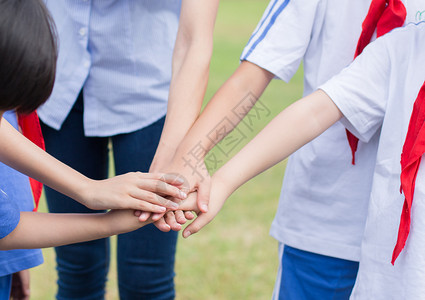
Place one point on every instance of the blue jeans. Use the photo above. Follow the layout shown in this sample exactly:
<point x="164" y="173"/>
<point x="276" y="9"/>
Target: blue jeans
<point x="5" y="285"/>
<point x="306" y="275"/>
<point x="145" y="257"/>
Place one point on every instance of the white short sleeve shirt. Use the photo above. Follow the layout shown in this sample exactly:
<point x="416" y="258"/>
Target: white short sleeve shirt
<point x="324" y="198"/>
<point x="376" y="95"/>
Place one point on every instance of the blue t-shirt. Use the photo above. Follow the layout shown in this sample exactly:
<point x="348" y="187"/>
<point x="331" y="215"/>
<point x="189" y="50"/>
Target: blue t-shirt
<point x="9" y="214"/>
<point x="15" y="196"/>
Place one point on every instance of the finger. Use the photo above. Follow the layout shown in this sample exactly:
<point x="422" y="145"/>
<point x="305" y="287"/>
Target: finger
<point x="190" y="204"/>
<point x="161" y="187"/>
<point x="156" y="217"/>
<point x="171" y="178"/>
<point x="162" y="225"/>
<point x="196" y="225"/>
<point x="146" y="206"/>
<point x="155" y="175"/>
<point x="180" y="218"/>
<point x="148" y="198"/>
<point x="144" y="216"/>
<point x="174" y="179"/>
<point x="189" y="215"/>
<point x="204" y="189"/>
<point x="170" y="218"/>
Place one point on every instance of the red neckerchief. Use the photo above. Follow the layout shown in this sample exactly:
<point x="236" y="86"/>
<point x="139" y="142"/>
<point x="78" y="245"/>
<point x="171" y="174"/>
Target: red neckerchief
<point x="384" y="16"/>
<point x="31" y="129"/>
<point x="413" y="149"/>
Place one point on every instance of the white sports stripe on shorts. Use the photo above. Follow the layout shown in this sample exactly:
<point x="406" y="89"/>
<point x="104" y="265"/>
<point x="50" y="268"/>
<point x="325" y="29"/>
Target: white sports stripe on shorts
<point x="276" y="289"/>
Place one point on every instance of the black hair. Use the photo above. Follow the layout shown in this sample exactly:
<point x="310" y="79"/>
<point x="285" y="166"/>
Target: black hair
<point x="28" y="54"/>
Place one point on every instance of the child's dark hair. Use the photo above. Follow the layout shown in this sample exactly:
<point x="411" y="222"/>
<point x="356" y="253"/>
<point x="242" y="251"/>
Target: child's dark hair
<point x="28" y="55"/>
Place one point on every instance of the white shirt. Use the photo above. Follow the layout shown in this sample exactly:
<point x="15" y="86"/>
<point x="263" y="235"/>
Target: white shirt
<point x="324" y="199"/>
<point x="120" y="52"/>
<point x="376" y="94"/>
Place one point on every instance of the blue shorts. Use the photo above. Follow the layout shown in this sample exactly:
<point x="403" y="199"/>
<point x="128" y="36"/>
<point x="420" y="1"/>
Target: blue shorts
<point x="5" y="284"/>
<point x="305" y="276"/>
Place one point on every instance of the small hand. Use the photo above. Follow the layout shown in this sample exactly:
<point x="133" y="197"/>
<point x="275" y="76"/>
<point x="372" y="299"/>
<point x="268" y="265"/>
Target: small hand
<point x="218" y="197"/>
<point x="196" y="176"/>
<point x="20" y="285"/>
<point x="139" y="191"/>
<point x="173" y="220"/>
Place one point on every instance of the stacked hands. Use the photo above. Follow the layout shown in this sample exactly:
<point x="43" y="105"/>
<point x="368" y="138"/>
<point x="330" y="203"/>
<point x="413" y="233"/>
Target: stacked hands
<point x="167" y="199"/>
<point x="195" y="187"/>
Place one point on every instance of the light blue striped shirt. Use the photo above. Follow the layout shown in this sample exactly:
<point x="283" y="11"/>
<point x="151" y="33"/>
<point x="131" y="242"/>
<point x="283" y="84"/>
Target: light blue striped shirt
<point x="120" y="51"/>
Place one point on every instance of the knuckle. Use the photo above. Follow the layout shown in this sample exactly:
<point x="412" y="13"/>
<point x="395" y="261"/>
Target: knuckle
<point x="141" y="205"/>
<point x="195" y="228"/>
<point x="168" y="203"/>
<point x="151" y="197"/>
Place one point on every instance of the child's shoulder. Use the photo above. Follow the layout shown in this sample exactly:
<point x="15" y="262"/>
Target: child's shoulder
<point x="412" y="32"/>
<point x="403" y="44"/>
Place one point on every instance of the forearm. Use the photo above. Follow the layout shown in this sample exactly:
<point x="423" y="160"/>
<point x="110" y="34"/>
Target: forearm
<point x="21" y="154"/>
<point x="40" y="230"/>
<point x="227" y="107"/>
<point x="291" y="129"/>
<point x="187" y="89"/>
<point x="190" y="69"/>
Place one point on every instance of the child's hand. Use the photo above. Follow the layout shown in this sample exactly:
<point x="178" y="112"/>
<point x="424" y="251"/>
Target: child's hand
<point x="197" y="177"/>
<point x="218" y="196"/>
<point x="173" y="220"/>
<point x="138" y="191"/>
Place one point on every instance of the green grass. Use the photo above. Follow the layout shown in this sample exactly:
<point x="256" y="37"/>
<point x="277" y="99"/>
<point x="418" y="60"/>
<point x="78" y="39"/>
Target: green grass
<point x="234" y="257"/>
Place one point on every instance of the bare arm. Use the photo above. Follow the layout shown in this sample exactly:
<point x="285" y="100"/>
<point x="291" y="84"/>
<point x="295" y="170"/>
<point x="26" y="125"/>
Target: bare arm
<point x="190" y="70"/>
<point x="244" y="87"/>
<point x="125" y="191"/>
<point x="291" y="129"/>
<point x="41" y="230"/>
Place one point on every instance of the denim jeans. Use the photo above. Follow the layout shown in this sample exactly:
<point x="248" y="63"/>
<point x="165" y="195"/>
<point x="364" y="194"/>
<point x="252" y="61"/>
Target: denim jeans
<point x="145" y="257"/>
<point x="5" y="285"/>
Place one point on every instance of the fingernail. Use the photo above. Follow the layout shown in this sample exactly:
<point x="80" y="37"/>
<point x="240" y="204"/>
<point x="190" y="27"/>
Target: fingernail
<point x="183" y="195"/>
<point x="180" y="180"/>
<point x="204" y="207"/>
<point x="162" y="209"/>
<point x="186" y="234"/>
<point x="174" y="205"/>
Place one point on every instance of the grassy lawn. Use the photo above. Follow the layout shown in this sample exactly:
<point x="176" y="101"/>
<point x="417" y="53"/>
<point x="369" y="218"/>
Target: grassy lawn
<point x="234" y="257"/>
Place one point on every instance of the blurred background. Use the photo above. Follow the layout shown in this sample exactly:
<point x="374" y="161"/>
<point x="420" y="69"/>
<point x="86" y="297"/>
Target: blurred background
<point x="233" y="257"/>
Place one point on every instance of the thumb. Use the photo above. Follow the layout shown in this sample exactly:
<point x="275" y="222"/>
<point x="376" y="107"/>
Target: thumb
<point x="204" y="189"/>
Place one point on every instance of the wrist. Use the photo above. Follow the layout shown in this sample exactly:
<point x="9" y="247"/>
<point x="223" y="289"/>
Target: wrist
<point x="165" y="147"/>
<point x="221" y="182"/>
<point x="163" y="157"/>
<point x="85" y="192"/>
